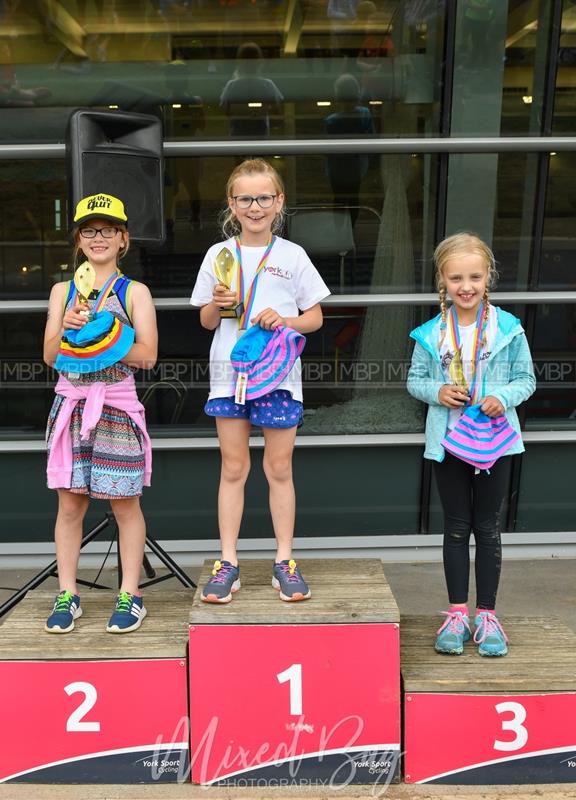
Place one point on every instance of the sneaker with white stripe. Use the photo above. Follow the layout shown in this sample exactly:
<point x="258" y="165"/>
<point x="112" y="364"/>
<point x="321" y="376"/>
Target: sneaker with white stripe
<point x="128" y="614"/>
<point x="66" y="610"/>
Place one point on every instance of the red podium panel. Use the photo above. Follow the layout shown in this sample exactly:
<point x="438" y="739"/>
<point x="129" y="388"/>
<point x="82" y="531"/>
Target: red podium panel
<point x="294" y="704"/>
<point x="470" y="719"/>
<point x="93" y="722"/>
<point x="89" y="707"/>
<point x="490" y="739"/>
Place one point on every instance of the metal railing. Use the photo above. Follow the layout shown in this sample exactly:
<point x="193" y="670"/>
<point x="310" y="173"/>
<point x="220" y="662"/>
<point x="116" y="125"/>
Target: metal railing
<point x="270" y="147"/>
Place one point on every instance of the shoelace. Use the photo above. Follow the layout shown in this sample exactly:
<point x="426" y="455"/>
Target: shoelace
<point x="454" y="622"/>
<point x="291" y="572"/>
<point x="489" y="624"/>
<point x="63" y="601"/>
<point x="124" y="602"/>
<point x="220" y="572"/>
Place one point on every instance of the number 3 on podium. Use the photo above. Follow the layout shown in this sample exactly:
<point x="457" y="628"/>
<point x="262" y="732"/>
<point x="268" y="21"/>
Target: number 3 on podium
<point x="514" y="724"/>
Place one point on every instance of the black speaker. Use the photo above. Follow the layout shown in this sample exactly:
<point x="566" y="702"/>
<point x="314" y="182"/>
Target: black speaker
<point x="119" y="153"/>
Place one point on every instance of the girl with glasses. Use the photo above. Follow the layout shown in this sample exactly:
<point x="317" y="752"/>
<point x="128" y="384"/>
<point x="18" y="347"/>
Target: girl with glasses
<point x="97" y="441"/>
<point x="273" y="284"/>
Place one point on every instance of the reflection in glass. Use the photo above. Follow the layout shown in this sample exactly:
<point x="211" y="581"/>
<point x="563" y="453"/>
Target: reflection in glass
<point x="354" y="374"/>
<point x="554" y="403"/>
<point x="259" y="68"/>
<point x="556" y="268"/>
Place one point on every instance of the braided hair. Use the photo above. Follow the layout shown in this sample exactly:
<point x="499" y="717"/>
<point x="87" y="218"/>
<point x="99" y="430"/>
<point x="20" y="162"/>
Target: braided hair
<point x="463" y="243"/>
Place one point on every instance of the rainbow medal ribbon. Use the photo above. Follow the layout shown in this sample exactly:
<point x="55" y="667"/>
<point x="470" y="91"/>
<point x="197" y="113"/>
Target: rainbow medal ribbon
<point x="247" y="301"/>
<point x="248" y="297"/>
<point x="456" y="368"/>
<point x="81" y="291"/>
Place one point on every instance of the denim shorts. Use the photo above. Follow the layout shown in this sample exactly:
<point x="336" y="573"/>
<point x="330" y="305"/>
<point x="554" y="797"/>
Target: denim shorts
<point x="274" y="410"/>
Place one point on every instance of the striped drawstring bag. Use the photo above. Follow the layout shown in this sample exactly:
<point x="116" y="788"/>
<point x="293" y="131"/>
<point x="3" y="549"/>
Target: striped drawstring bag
<point x="263" y="358"/>
<point x="478" y="439"/>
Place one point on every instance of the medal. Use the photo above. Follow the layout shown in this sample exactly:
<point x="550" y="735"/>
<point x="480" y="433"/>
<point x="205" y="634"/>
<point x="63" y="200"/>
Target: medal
<point x="456" y="368"/>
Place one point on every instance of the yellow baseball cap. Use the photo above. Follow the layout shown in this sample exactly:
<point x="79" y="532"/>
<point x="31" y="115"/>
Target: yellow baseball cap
<point x="102" y="206"/>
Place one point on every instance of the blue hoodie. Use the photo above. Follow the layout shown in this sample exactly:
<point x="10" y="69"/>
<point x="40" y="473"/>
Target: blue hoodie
<point x="508" y="375"/>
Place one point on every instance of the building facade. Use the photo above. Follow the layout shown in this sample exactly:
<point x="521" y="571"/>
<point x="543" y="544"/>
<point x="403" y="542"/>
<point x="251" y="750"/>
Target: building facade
<point x="469" y="123"/>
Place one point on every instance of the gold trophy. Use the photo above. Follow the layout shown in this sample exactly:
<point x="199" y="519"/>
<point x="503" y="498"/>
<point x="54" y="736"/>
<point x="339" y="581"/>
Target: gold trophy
<point x="456" y="371"/>
<point x="226" y="271"/>
<point x="84" y="280"/>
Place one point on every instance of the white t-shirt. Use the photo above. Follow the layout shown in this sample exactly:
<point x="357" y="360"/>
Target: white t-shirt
<point x="289" y="283"/>
<point x="466" y="333"/>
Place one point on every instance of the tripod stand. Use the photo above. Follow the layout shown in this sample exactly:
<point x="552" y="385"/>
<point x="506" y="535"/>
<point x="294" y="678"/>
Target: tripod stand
<point x="51" y="570"/>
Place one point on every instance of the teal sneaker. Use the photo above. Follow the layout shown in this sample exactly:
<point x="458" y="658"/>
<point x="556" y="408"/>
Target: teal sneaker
<point x="451" y="635"/>
<point x="489" y="635"/>
<point x="127" y="615"/>
<point x="66" y="610"/>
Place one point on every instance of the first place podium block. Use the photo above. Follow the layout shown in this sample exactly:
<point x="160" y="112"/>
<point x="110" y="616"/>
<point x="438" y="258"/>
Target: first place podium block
<point x="297" y="694"/>
<point x="479" y="720"/>
<point x="93" y="707"/>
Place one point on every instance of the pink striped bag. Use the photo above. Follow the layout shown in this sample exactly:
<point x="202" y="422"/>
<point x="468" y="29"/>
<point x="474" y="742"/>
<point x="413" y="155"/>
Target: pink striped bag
<point x="478" y="439"/>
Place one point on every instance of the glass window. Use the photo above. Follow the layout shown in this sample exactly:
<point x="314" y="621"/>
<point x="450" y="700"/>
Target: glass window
<point x="556" y="266"/>
<point x="553" y="406"/>
<point x="241" y="69"/>
<point x="546" y="500"/>
<point x="565" y="94"/>
<point x="353" y="371"/>
<point x="366" y="222"/>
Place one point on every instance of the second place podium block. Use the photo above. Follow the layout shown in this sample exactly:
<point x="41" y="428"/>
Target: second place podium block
<point x="89" y="706"/>
<point x="300" y="693"/>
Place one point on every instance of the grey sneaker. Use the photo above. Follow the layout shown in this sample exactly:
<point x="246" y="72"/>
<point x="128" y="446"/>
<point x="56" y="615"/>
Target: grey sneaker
<point x="224" y="582"/>
<point x="287" y="578"/>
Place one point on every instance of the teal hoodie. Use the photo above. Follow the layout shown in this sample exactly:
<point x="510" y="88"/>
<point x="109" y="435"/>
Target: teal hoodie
<point x="508" y="374"/>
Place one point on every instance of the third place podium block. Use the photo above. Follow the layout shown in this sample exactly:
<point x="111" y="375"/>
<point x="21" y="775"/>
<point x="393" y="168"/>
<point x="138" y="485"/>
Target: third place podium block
<point x="90" y="706"/>
<point x="303" y="693"/>
<point x="479" y="720"/>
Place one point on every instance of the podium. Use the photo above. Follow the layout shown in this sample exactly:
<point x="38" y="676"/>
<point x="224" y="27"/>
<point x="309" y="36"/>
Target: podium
<point x="297" y="694"/>
<point x="93" y="707"/>
<point x="478" y="720"/>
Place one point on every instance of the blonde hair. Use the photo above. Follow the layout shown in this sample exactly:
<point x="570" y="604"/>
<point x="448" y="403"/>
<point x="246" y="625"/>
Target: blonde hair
<point x="252" y="166"/>
<point x="459" y="244"/>
<point x="77" y="252"/>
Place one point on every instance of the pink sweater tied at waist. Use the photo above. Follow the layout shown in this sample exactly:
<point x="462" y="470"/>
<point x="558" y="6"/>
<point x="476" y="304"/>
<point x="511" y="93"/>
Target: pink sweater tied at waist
<point x="121" y="395"/>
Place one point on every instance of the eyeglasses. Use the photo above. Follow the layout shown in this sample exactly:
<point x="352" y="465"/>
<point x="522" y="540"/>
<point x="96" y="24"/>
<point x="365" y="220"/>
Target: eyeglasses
<point x="90" y="233"/>
<point x="263" y="200"/>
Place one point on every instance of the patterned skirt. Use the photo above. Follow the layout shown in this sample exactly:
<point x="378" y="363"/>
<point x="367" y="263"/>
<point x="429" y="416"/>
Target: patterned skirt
<point x="110" y="464"/>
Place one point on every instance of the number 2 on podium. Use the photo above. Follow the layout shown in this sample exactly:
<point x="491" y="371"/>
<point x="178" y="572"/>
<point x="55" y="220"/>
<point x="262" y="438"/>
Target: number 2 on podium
<point x="293" y="675"/>
<point x="75" y="722"/>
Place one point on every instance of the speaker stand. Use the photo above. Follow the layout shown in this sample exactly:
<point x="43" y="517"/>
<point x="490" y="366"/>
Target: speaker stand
<point x="51" y="570"/>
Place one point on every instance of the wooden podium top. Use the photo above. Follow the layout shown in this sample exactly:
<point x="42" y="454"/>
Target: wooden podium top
<point x="163" y="634"/>
<point x="541" y="658"/>
<point x="344" y="591"/>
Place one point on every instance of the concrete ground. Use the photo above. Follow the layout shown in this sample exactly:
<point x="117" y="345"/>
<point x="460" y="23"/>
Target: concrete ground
<point x="538" y="587"/>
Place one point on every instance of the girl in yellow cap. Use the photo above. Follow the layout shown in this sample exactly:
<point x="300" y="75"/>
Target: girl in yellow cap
<point x="97" y="441"/>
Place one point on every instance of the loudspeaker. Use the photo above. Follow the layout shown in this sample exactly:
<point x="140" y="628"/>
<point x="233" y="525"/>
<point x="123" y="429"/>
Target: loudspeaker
<point x="119" y="153"/>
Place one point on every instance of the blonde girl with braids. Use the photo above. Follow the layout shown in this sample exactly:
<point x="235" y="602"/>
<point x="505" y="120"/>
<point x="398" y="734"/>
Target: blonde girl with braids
<point x="470" y="347"/>
<point x="280" y="288"/>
